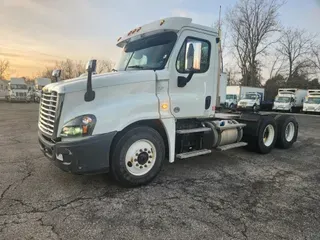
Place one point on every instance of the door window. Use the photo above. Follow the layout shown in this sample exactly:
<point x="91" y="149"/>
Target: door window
<point x="194" y="56"/>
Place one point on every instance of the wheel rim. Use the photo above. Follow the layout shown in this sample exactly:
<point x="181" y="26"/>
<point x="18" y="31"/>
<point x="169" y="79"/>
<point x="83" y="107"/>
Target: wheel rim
<point x="140" y="157"/>
<point x="289" y="132"/>
<point x="268" y="135"/>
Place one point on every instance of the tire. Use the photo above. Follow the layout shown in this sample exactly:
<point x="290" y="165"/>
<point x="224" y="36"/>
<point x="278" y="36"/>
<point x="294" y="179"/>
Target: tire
<point x="259" y="143"/>
<point x="287" y="131"/>
<point x="131" y="147"/>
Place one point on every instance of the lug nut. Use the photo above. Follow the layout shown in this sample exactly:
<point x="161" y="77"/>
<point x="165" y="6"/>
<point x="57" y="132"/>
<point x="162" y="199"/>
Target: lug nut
<point x="145" y="149"/>
<point x="149" y="152"/>
<point x="150" y="156"/>
<point x="149" y="161"/>
<point x="141" y="167"/>
<point x="146" y="165"/>
<point x="140" y="150"/>
<point x="137" y="164"/>
<point x="137" y="154"/>
<point x="129" y="164"/>
<point x="135" y="159"/>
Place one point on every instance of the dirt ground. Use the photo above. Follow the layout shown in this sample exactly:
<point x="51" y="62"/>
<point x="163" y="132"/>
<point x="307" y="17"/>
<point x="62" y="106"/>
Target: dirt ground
<point x="226" y="195"/>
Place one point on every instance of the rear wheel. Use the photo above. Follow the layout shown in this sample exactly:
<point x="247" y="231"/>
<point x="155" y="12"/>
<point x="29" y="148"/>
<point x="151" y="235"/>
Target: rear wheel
<point x="267" y="136"/>
<point x="138" y="156"/>
<point x="288" y="131"/>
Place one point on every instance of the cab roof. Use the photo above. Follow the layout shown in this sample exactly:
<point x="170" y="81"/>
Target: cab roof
<point x="166" y="24"/>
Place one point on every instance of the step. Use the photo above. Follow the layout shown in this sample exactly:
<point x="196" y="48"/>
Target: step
<point x="193" y="153"/>
<point x="193" y="130"/>
<point x="232" y="145"/>
<point x="231" y="126"/>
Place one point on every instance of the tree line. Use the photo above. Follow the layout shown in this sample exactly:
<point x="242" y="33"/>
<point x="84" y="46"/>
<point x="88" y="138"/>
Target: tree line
<point x="256" y="34"/>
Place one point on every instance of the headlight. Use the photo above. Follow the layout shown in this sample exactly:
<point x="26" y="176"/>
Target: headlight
<point x="79" y="127"/>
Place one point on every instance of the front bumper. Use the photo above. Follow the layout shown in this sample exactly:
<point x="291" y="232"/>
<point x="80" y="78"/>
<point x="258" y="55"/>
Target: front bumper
<point x="281" y="108"/>
<point x="89" y="155"/>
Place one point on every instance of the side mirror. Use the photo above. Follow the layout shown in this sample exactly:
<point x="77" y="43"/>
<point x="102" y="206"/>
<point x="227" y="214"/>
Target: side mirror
<point x="56" y="73"/>
<point x="91" y="66"/>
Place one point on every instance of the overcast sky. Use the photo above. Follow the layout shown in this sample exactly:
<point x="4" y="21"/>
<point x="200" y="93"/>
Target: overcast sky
<point x="36" y="33"/>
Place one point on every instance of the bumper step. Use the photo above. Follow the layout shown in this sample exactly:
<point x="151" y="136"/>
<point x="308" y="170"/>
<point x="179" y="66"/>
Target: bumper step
<point x="193" y="153"/>
<point x="193" y="130"/>
<point x="232" y="145"/>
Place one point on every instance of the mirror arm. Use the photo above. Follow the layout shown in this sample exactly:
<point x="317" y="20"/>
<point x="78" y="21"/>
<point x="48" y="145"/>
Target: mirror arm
<point x="90" y="94"/>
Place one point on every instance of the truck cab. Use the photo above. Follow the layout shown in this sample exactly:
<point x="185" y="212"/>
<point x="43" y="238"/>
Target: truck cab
<point x="312" y="101"/>
<point x="251" y="100"/>
<point x="17" y="90"/>
<point x="289" y="99"/>
<point x="159" y="103"/>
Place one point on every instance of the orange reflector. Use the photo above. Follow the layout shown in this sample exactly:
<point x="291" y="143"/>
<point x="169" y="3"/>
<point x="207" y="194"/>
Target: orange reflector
<point x="85" y="129"/>
<point x="164" y="106"/>
<point x="162" y="22"/>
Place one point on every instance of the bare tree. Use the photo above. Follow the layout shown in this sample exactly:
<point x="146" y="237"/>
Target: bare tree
<point x="251" y="24"/>
<point x="104" y="66"/>
<point x="79" y="68"/>
<point x="315" y="57"/>
<point x="4" y="68"/>
<point x="295" y="46"/>
<point x="277" y="65"/>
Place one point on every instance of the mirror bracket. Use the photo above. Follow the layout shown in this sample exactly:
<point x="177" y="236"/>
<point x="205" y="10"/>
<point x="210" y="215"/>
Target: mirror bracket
<point x="182" y="81"/>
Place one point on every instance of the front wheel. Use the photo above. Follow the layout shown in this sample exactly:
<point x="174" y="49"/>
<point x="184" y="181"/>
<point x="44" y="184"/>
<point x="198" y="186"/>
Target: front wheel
<point x="138" y="156"/>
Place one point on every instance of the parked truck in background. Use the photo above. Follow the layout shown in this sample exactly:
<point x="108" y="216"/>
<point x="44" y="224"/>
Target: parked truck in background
<point x="39" y="84"/>
<point x="247" y="97"/>
<point x="17" y="90"/>
<point x="289" y="99"/>
<point x="312" y="101"/>
<point x="128" y="121"/>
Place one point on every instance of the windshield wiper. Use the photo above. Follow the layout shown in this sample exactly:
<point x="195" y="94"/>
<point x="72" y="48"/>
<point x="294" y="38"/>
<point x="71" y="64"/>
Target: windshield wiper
<point x="136" y="67"/>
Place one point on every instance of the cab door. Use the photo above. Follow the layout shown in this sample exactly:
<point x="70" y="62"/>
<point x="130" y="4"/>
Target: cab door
<point x="191" y="85"/>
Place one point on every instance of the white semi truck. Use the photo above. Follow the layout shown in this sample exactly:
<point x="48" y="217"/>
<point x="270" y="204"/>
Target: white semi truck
<point x="289" y="99"/>
<point x="312" y="101"/>
<point x="17" y="90"/>
<point x="128" y="121"/>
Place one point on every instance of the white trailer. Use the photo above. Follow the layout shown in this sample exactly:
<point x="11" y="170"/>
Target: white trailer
<point x="289" y="99"/>
<point x="128" y="122"/>
<point x="17" y="90"/>
<point x="312" y="101"/>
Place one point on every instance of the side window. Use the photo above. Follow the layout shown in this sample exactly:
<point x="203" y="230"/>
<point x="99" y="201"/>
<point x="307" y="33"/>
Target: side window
<point x="194" y="55"/>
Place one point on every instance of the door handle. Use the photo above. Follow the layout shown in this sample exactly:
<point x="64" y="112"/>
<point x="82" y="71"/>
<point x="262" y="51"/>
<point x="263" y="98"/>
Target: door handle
<point x="207" y="102"/>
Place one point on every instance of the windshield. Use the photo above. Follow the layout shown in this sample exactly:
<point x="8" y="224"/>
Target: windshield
<point x="18" y="86"/>
<point x="282" y="99"/>
<point x="313" y="100"/>
<point x="250" y="96"/>
<point x="147" y="53"/>
<point x="230" y="96"/>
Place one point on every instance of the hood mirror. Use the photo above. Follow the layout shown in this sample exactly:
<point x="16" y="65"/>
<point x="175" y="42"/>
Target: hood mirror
<point x="56" y="74"/>
<point x="91" y="69"/>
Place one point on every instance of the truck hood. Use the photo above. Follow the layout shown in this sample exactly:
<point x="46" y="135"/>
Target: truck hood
<point x="101" y="80"/>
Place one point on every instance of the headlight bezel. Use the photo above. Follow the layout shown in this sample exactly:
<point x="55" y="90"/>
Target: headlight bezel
<point x="80" y="126"/>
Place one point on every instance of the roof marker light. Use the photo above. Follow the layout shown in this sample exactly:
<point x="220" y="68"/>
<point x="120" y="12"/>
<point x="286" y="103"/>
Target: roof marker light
<point x="119" y="39"/>
<point x="162" y="22"/>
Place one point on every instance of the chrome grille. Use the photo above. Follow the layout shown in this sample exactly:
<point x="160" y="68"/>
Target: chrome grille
<point x="47" y="113"/>
<point x="21" y="94"/>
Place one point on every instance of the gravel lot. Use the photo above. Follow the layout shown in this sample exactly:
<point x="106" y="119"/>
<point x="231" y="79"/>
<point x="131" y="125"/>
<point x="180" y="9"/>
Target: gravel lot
<point x="230" y="195"/>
